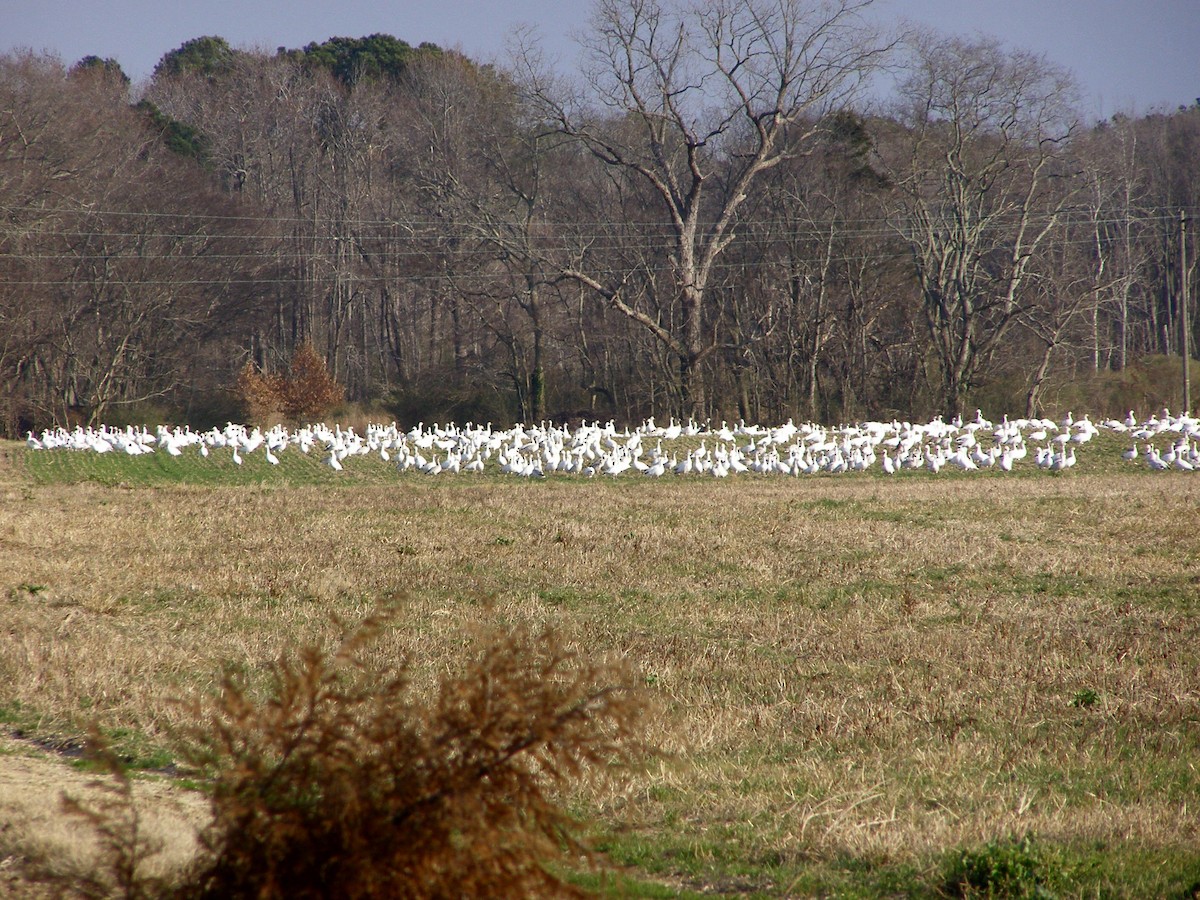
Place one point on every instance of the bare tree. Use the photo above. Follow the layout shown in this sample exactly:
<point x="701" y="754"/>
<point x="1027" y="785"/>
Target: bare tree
<point x="1115" y="204"/>
<point x="978" y="167"/>
<point x="694" y="102"/>
<point x="115" y="255"/>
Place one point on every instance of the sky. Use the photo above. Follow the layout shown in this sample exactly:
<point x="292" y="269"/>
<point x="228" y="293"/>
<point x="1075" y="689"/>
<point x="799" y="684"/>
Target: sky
<point x="1130" y="56"/>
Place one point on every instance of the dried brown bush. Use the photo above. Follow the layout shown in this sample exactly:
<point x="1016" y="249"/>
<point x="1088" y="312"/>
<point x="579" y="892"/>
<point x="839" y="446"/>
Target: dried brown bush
<point x="343" y="783"/>
<point x="307" y="391"/>
<point x="259" y="394"/>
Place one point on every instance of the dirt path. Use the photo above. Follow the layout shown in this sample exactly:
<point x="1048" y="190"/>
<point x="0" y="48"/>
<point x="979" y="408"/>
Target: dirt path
<point x="39" y="843"/>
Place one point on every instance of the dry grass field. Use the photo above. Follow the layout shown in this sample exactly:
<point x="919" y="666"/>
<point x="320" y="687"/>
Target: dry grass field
<point x="863" y="682"/>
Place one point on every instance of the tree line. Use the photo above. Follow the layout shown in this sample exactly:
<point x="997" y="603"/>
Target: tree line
<point x="720" y="215"/>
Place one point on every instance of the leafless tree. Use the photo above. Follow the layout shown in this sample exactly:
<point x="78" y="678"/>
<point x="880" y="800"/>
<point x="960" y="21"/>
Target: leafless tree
<point x="694" y="102"/>
<point x="117" y="260"/>
<point x="978" y="165"/>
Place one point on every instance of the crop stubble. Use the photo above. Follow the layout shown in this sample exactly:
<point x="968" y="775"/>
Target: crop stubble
<point x="848" y="666"/>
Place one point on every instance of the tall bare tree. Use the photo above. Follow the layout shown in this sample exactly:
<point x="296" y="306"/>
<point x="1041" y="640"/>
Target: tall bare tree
<point x="978" y="167"/>
<point x="694" y="101"/>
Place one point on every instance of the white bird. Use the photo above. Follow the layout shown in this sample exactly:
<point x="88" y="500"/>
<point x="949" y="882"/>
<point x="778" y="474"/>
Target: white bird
<point x="1156" y="462"/>
<point x="793" y="450"/>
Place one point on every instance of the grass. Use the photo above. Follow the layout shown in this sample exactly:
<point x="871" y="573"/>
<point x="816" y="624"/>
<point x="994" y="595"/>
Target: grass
<point x="866" y="682"/>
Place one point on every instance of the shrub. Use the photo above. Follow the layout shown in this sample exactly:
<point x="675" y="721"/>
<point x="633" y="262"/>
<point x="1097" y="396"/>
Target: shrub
<point x="342" y="783"/>
<point x="308" y="391"/>
<point x="259" y="394"/>
<point x="1014" y="867"/>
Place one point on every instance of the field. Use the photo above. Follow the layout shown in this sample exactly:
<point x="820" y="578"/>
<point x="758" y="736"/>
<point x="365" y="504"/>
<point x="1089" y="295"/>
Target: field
<point x="864" y="682"/>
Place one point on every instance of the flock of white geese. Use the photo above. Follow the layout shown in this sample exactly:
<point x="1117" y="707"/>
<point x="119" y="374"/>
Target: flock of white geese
<point x="1161" y="442"/>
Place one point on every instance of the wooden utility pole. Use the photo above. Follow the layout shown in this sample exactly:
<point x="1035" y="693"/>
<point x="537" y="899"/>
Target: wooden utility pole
<point x="1184" y="318"/>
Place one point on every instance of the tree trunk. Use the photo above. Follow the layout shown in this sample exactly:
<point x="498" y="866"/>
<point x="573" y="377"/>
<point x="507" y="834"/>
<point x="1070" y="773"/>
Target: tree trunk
<point x="1033" y="398"/>
<point x="691" y="387"/>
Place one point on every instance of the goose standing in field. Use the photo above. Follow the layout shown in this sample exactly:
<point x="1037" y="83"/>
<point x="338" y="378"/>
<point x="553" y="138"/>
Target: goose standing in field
<point x="934" y="459"/>
<point x="962" y="460"/>
<point x="1084" y="431"/>
<point x="1154" y="461"/>
<point x="252" y="441"/>
<point x="789" y="449"/>
<point x="332" y="459"/>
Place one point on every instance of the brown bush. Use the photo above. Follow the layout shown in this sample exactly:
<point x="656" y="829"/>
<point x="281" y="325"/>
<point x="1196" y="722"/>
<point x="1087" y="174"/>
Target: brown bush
<point x="308" y="391"/>
<point x="259" y="394"/>
<point x="342" y="784"/>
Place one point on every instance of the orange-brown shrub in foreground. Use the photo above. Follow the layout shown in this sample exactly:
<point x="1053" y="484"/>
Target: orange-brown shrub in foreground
<point x="341" y="784"/>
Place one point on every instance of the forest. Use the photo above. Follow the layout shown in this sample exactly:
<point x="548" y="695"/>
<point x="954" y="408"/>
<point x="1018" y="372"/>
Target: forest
<point x="721" y="215"/>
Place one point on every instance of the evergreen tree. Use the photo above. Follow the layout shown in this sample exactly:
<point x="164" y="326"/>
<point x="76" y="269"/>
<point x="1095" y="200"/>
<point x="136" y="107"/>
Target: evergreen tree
<point x="208" y="55"/>
<point x="352" y="60"/>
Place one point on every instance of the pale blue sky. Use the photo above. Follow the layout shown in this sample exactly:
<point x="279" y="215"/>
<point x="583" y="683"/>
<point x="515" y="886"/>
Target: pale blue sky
<point x="1129" y="55"/>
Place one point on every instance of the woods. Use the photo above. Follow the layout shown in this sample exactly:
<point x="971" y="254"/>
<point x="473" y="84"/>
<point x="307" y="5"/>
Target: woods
<point x="721" y="215"/>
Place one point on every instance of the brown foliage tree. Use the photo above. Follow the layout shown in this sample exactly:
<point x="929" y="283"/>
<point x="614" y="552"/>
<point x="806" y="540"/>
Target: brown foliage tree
<point x="308" y="391"/>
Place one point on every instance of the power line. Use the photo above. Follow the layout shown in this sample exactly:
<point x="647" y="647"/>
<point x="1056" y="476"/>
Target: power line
<point x="373" y="257"/>
<point x="416" y="227"/>
<point x="366" y="247"/>
<point x="358" y="278"/>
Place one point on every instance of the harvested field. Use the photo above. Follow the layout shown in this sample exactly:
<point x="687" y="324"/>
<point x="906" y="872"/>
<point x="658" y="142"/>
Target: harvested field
<point x="858" y="676"/>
